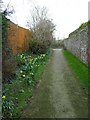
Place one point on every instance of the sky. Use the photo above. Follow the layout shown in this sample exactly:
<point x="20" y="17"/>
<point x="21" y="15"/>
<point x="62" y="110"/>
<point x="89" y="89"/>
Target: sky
<point x="67" y="15"/>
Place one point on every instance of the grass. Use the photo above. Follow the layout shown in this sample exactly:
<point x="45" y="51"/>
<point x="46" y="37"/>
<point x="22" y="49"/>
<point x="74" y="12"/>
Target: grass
<point x="79" y="68"/>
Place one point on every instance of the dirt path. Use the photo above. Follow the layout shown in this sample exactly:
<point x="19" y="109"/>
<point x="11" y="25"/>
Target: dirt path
<point x="59" y="94"/>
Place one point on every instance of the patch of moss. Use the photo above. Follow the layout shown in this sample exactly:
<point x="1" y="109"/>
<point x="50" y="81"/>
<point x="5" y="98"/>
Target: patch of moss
<point x="82" y="26"/>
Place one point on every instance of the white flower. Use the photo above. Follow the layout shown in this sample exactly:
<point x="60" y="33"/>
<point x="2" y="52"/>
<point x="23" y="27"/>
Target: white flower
<point x="23" y="75"/>
<point x="21" y="71"/>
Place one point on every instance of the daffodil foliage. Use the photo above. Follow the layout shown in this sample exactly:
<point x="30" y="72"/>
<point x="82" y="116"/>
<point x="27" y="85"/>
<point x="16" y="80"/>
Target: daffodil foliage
<point x="29" y="67"/>
<point x="7" y="106"/>
<point x="27" y="75"/>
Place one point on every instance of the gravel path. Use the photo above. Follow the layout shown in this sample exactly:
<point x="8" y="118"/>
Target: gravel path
<point x="59" y="94"/>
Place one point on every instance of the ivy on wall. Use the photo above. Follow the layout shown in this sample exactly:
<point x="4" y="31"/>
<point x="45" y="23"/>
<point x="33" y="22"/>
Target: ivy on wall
<point x="8" y="61"/>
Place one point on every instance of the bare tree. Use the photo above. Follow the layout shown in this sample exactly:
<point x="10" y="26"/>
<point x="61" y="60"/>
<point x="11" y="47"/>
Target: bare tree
<point x="42" y="28"/>
<point x="1" y="5"/>
<point x="6" y="10"/>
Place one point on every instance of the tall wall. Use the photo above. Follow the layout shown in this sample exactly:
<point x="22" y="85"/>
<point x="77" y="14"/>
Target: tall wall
<point x="77" y="43"/>
<point x="18" y="38"/>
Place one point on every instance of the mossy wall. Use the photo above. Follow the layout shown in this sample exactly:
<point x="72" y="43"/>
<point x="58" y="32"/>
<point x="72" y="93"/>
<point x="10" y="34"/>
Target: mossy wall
<point x="77" y="42"/>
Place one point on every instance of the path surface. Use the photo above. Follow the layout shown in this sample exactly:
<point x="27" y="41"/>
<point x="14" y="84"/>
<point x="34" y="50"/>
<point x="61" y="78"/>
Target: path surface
<point x="59" y="94"/>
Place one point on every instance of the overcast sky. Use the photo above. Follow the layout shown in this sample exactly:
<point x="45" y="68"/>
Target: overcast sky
<point x="66" y="14"/>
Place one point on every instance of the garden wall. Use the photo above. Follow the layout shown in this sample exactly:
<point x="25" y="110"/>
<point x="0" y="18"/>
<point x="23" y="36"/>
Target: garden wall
<point x="77" y="43"/>
<point x="18" y="38"/>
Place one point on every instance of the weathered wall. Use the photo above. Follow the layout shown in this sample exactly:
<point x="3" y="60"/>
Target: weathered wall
<point x="18" y="38"/>
<point x="77" y="43"/>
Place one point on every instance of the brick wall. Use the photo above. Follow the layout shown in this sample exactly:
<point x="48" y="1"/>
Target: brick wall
<point x="18" y="38"/>
<point x="77" y="43"/>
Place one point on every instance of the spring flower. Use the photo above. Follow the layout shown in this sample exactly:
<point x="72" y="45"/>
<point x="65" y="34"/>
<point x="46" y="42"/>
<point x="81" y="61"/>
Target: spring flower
<point x="21" y="56"/>
<point x="23" y="75"/>
<point x="31" y="74"/>
<point x="3" y="97"/>
<point x="35" y="58"/>
<point x="21" y="71"/>
<point x="43" y="55"/>
<point x="16" y="98"/>
<point x="31" y="66"/>
<point x="31" y="60"/>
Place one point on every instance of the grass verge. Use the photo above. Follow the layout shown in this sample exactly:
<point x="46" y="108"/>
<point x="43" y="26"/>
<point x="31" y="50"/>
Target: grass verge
<point x="79" y="68"/>
<point x="18" y="92"/>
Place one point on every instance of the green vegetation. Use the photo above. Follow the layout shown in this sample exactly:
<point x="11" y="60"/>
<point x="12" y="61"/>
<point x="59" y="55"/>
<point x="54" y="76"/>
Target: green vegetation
<point x="79" y="68"/>
<point x="57" y="44"/>
<point x="82" y="26"/>
<point x="7" y="55"/>
<point x="22" y="72"/>
<point x="17" y="94"/>
<point x="42" y="29"/>
<point x="0" y="33"/>
<point x="0" y="20"/>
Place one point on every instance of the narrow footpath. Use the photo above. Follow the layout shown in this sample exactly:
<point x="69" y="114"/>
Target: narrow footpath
<point x="59" y="94"/>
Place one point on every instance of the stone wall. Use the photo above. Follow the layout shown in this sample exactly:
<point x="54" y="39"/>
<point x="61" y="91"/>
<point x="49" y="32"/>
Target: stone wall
<point x="77" y="43"/>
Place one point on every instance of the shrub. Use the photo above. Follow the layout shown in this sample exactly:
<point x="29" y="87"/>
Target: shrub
<point x="37" y="47"/>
